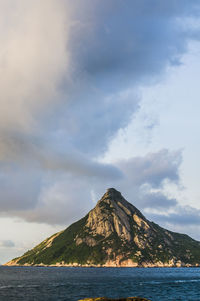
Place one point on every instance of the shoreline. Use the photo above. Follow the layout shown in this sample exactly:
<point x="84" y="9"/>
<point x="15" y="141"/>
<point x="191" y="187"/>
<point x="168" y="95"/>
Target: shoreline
<point x="102" y="266"/>
<point x="118" y="262"/>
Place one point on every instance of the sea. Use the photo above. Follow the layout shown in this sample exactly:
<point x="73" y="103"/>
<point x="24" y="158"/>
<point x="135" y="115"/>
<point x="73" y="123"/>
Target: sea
<point x="75" y="283"/>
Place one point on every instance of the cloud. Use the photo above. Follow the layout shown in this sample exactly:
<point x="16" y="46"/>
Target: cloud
<point x="19" y="189"/>
<point x="154" y="168"/>
<point x="90" y="124"/>
<point x="33" y="153"/>
<point x="60" y="202"/>
<point x="145" y="178"/>
<point x="62" y="197"/>
<point x="6" y="244"/>
<point x="182" y="215"/>
<point x="128" y="46"/>
<point x="156" y="200"/>
<point x="70" y="77"/>
<point x="181" y="219"/>
<point x="127" y="42"/>
<point x="71" y="69"/>
<point x="33" y="60"/>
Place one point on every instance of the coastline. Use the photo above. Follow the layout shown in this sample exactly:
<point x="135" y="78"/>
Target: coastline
<point x="106" y="265"/>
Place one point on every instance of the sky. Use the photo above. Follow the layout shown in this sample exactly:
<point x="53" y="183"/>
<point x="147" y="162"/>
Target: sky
<point x="97" y="94"/>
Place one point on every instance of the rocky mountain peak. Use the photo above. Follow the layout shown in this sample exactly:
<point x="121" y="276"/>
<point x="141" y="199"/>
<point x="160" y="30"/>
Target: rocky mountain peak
<point x="114" y="233"/>
<point x="113" y="194"/>
<point x="113" y="214"/>
<point x="113" y="201"/>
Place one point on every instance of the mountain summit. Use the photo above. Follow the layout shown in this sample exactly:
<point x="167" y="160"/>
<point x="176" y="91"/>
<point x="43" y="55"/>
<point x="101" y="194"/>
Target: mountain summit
<point x="114" y="233"/>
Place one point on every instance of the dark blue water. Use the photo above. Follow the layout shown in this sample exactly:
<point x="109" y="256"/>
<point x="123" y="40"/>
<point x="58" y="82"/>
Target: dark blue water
<point x="52" y="283"/>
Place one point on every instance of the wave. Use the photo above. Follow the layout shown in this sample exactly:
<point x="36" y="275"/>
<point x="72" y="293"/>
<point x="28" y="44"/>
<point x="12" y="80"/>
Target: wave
<point x="18" y="286"/>
<point x="169" y="282"/>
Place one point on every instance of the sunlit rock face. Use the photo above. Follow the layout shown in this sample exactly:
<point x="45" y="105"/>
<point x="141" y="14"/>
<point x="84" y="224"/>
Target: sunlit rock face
<point x="114" y="233"/>
<point x="111" y="214"/>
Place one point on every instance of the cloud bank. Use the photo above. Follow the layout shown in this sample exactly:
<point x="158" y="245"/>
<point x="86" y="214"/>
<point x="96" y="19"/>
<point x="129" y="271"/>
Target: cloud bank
<point x="70" y="77"/>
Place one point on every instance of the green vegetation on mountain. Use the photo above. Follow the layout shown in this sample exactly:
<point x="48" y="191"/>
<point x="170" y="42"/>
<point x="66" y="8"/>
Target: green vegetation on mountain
<point x="114" y="233"/>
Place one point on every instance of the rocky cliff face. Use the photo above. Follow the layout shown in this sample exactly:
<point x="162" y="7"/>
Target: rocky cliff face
<point x="114" y="233"/>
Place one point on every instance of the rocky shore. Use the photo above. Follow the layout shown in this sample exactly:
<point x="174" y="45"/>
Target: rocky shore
<point x="120" y="299"/>
<point x="110" y="264"/>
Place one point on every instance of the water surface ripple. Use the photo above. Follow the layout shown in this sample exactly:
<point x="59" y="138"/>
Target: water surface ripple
<point x="63" y="283"/>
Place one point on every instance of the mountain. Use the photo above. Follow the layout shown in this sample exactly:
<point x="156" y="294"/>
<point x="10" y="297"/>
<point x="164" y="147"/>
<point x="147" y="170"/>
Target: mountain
<point x="114" y="233"/>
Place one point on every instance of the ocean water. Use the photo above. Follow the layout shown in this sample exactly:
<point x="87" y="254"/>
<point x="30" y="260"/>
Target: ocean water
<point x="63" y="283"/>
